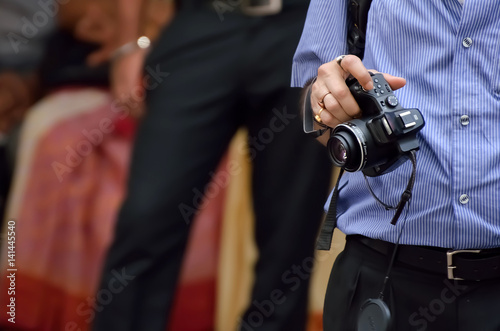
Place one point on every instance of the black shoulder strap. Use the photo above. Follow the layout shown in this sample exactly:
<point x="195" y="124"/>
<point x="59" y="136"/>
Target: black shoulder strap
<point x="325" y="236"/>
<point x="357" y="21"/>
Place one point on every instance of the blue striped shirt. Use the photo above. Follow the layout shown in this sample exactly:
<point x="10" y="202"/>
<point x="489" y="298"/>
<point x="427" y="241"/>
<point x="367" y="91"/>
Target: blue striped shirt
<point x="456" y="85"/>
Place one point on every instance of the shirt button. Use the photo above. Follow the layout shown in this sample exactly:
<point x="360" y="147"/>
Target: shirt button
<point x="467" y="42"/>
<point x="464" y="120"/>
<point x="464" y="198"/>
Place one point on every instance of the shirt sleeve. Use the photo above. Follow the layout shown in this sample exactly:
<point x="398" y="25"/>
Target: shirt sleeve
<point x="323" y="39"/>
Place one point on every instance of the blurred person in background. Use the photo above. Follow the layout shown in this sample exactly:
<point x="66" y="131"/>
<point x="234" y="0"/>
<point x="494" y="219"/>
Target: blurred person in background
<point x="24" y="28"/>
<point x="71" y="163"/>
<point x="222" y="65"/>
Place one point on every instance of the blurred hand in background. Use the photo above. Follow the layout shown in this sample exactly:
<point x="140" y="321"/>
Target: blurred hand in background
<point x="99" y="24"/>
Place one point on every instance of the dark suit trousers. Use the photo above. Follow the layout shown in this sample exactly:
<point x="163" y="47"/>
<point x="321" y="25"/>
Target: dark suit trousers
<point x="222" y="75"/>
<point x="417" y="300"/>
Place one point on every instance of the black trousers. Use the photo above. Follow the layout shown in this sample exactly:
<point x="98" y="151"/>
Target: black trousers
<point x="417" y="300"/>
<point x="207" y="78"/>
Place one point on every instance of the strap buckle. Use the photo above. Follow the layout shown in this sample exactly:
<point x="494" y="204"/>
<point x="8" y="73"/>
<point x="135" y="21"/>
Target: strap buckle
<point x="449" y="261"/>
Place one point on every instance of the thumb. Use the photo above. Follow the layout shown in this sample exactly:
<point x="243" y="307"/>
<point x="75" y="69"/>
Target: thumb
<point x="99" y="57"/>
<point x="395" y="81"/>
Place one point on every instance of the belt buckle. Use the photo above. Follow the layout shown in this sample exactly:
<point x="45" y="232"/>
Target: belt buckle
<point x="449" y="261"/>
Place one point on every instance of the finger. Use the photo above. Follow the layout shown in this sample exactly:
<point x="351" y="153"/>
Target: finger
<point x="330" y="88"/>
<point x="318" y="89"/>
<point x="340" y="101"/>
<point x="330" y="112"/>
<point x="329" y="119"/>
<point x="333" y="75"/>
<point x="351" y="64"/>
<point x="324" y="116"/>
<point x="334" y="107"/>
<point x="394" y="81"/>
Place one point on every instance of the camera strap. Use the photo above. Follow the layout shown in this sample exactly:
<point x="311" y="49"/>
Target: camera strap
<point x="325" y="236"/>
<point x="324" y="241"/>
<point x="374" y="313"/>
<point x="308" y="115"/>
<point x="405" y="197"/>
<point x="357" y="21"/>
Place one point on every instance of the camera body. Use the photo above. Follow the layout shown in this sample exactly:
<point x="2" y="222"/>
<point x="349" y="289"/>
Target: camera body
<point x="379" y="141"/>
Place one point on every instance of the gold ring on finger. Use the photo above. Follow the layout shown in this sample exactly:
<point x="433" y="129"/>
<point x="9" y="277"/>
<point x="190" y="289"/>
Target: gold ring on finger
<point x="322" y="102"/>
<point x="317" y="117"/>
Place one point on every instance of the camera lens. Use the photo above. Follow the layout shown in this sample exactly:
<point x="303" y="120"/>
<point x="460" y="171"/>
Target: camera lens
<point x="338" y="150"/>
<point x="345" y="148"/>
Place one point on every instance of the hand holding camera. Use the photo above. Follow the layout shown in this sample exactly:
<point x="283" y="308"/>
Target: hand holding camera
<point x="330" y="90"/>
<point x="382" y="138"/>
<point x="372" y="132"/>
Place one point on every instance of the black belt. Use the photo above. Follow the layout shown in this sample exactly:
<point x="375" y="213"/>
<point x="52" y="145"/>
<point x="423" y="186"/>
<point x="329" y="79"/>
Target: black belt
<point x="480" y="264"/>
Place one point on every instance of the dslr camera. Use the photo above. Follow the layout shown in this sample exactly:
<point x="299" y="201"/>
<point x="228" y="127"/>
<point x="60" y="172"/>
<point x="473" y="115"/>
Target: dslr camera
<point x="379" y="141"/>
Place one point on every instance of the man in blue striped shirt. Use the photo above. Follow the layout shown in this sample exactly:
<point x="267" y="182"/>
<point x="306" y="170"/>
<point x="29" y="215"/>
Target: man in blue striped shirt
<point x="446" y="54"/>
